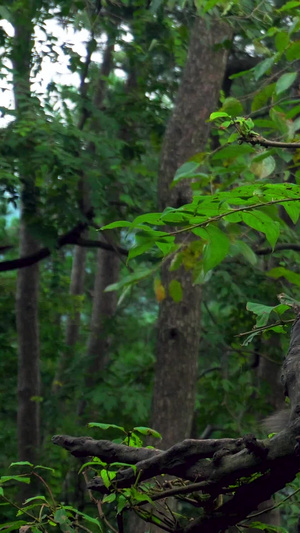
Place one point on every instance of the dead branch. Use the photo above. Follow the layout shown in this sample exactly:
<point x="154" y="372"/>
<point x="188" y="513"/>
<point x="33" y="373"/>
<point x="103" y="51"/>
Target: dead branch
<point x="246" y="471"/>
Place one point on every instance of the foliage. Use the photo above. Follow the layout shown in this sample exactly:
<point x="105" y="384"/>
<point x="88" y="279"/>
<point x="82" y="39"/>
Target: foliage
<point x="245" y="202"/>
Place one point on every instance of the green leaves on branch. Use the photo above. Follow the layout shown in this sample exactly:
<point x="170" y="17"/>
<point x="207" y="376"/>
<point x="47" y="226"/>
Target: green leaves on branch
<point x="253" y="206"/>
<point x="263" y="312"/>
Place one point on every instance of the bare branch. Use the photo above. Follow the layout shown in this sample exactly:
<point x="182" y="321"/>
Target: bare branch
<point x="71" y="237"/>
<point x="277" y="247"/>
<point x="254" y="139"/>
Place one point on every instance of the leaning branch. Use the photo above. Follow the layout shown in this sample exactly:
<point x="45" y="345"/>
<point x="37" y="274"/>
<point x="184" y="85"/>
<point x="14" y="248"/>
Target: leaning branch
<point x="71" y="237"/>
<point x="247" y="470"/>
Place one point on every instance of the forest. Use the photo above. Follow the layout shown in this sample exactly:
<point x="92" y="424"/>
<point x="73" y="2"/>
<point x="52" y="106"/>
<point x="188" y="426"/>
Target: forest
<point x="150" y="283"/>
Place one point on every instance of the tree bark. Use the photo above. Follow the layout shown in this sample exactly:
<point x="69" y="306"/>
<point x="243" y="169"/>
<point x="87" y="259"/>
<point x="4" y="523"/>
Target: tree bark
<point x="104" y="308"/>
<point x="85" y="203"/>
<point x="28" y="417"/>
<point x="73" y="322"/>
<point x="179" y="324"/>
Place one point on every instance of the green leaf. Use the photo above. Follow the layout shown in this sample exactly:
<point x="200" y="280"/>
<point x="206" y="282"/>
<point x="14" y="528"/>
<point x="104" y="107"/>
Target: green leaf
<point x="165" y="247"/>
<point x="289" y="5"/>
<point x="107" y="477"/>
<point x="122" y="503"/>
<point x="230" y="152"/>
<point x="109" y="498"/>
<point x="282" y="40"/>
<point x="293" y="52"/>
<point x="175" y="290"/>
<point x="263" y="312"/>
<point x="21" y="463"/>
<point x="87" y="517"/>
<point x="148" y="218"/>
<point x="42" y="467"/>
<point x="285" y="81"/>
<point x="232" y="106"/>
<point x="264" y="167"/>
<point x="117" y="224"/>
<point x="209" y="4"/>
<point x="289" y="275"/>
<point x="95" y="464"/>
<point x="216" y="249"/>
<point x="187" y="170"/>
<point x="218" y="114"/>
<point x="36" y="498"/>
<point x="21" y="479"/>
<point x="262" y="222"/>
<point x="13" y="526"/>
<point x="262" y="67"/>
<point x="139" y="250"/>
<point x="293" y="210"/>
<point x="131" y="279"/>
<point x="240" y="247"/>
<point x="155" y="5"/>
<point x="105" y="426"/>
<point x="147" y="431"/>
<point x="61" y="517"/>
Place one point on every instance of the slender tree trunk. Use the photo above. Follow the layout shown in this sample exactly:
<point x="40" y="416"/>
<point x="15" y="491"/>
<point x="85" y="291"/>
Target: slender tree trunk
<point x="76" y="289"/>
<point x="28" y="417"/>
<point x="104" y="308"/>
<point x="79" y="258"/>
<point x="73" y="321"/>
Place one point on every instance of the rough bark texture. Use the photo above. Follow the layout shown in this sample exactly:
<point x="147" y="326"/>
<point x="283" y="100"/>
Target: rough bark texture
<point x="179" y="324"/>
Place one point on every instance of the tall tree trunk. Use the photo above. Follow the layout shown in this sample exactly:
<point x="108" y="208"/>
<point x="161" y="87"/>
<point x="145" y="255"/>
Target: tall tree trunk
<point x="179" y="324"/>
<point x="104" y="308"/>
<point x="79" y="258"/>
<point x="28" y="418"/>
<point x="73" y="321"/>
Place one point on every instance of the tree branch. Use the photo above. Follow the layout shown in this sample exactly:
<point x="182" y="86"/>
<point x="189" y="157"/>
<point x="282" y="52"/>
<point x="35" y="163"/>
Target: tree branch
<point x="254" y="139"/>
<point x="277" y="247"/>
<point x="247" y="470"/>
<point x="71" y="237"/>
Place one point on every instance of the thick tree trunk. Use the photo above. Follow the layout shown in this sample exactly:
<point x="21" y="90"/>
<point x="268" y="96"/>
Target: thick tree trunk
<point x="179" y="324"/>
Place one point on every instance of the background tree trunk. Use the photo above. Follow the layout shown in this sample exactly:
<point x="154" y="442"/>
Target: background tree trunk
<point x="28" y="418"/>
<point x="104" y="307"/>
<point x="73" y="321"/>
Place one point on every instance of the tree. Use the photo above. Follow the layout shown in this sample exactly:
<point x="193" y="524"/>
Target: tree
<point x="220" y="236"/>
